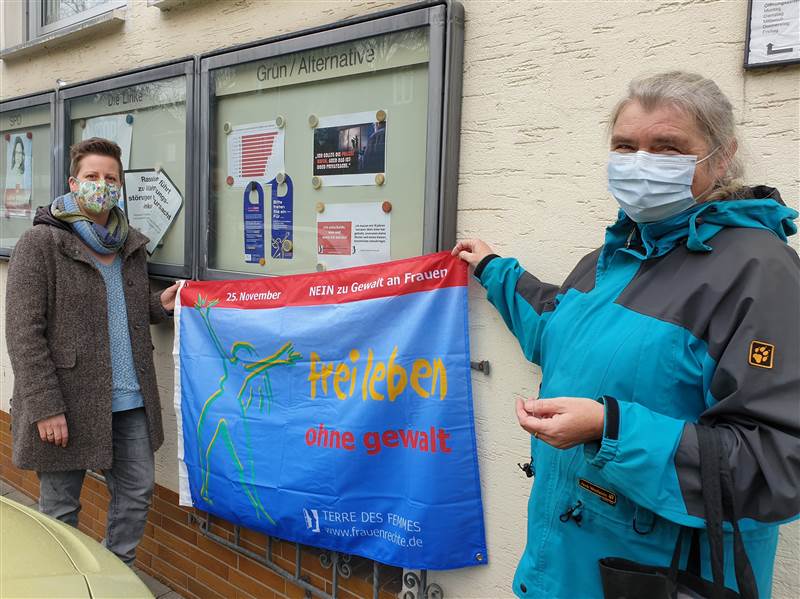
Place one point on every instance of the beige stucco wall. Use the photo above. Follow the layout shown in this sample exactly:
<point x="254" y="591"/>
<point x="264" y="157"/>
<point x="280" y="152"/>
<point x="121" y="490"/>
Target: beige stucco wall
<point x="12" y="23"/>
<point x="539" y="80"/>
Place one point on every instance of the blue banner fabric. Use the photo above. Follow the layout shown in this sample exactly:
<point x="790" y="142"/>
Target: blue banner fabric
<point x="335" y="410"/>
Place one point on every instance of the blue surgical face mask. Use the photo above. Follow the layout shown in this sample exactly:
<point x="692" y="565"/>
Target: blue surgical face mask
<point x="652" y="187"/>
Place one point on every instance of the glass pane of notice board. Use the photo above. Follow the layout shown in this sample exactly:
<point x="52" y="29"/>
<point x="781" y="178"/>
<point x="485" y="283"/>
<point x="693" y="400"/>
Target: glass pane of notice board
<point x="320" y="150"/>
<point x="146" y="115"/>
<point x="25" y="165"/>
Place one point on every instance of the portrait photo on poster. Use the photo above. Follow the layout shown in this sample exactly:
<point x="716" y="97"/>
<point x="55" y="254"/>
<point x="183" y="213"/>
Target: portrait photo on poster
<point x="350" y="149"/>
<point x="19" y="170"/>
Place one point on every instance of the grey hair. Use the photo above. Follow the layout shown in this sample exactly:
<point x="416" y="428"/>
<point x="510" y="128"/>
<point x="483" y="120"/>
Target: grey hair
<point x="701" y="99"/>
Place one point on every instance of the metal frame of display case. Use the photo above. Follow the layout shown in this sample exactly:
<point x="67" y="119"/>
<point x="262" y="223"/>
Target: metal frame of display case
<point x="445" y="20"/>
<point x="20" y="103"/>
<point x="185" y="67"/>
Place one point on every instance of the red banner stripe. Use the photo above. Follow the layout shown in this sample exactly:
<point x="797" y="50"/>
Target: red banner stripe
<point x="412" y="275"/>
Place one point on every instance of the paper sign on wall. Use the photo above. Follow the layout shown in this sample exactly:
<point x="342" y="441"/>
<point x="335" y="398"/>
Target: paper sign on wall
<point x="255" y="153"/>
<point x="353" y="234"/>
<point x="117" y="128"/>
<point x="773" y="32"/>
<point x="152" y="201"/>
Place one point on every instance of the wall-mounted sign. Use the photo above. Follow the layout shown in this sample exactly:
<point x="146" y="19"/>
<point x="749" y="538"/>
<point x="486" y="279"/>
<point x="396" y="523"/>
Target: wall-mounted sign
<point x="773" y="33"/>
<point x="392" y="51"/>
<point x="155" y="94"/>
<point x="30" y="116"/>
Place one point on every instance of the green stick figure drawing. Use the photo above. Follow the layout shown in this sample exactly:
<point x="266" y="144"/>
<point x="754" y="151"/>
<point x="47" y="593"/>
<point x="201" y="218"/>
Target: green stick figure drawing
<point x="255" y="386"/>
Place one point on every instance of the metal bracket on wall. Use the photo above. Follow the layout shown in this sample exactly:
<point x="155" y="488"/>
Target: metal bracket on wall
<point x="482" y="366"/>
<point x="417" y="586"/>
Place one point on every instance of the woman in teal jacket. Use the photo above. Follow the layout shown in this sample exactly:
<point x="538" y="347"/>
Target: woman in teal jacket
<point x="688" y="314"/>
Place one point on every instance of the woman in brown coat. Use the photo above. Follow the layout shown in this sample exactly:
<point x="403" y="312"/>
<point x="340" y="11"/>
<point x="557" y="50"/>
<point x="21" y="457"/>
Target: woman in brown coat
<point x="78" y="306"/>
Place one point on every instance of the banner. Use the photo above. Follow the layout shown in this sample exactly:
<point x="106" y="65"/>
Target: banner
<point x="335" y="410"/>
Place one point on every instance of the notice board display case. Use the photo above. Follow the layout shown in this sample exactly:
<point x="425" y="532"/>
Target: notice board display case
<point x="331" y="148"/>
<point x="150" y="115"/>
<point x="26" y="164"/>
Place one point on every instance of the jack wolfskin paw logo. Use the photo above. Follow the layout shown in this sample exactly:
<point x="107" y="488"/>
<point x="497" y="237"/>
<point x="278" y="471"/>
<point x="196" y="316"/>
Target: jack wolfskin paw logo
<point x="761" y="354"/>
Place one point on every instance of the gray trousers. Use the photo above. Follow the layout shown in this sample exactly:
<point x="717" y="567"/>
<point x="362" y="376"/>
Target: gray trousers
<point x="130" y="482"/>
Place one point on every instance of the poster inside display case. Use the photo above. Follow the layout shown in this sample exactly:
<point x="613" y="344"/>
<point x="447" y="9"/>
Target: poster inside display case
<point x="148" y="121"/>
<point x="25" y="169"/>
<point x="319" y="157"/>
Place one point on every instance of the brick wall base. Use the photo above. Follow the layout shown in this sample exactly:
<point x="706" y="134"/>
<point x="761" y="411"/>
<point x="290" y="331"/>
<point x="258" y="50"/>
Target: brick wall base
<point x="174" y="550"/>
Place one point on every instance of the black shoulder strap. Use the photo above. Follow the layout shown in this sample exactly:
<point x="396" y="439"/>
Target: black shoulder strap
<point x="710" y="467"/>
<point x="719" y="502"/>
<point x="676" y="556"/>
<point x="745" y="579"/>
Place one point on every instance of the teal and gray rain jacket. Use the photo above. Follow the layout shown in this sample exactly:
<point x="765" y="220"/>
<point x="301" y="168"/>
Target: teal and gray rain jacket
<point x="693" y="319"/>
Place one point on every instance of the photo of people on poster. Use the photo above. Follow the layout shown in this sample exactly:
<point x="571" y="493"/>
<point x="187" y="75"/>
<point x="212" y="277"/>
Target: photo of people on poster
<point x="349" y="146"/>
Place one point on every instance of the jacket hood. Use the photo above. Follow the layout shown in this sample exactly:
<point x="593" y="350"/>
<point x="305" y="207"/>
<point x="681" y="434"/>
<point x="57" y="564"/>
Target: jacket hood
<point x="759" y="207"/>
<point x="758" y="192"/>
<point x="43" y="216"/>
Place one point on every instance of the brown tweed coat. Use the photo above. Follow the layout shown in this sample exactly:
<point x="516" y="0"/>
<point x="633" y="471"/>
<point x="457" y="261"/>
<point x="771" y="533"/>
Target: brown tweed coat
<point x="57" y="339"/>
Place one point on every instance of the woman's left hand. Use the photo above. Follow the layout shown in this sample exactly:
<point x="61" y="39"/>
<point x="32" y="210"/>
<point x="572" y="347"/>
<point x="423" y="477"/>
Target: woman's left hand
<point x="168" y="297"/>
<point x="562" y="422"/>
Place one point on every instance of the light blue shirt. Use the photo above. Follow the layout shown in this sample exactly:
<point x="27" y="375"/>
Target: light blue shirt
<point x="126" y="393"/>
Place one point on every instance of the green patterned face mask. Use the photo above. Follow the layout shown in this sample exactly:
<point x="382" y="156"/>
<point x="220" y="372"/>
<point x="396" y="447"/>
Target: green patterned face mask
<point x="96" y="197"/>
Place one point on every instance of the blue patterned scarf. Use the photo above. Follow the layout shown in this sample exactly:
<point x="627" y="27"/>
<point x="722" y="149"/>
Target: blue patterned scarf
<point x="103" y="240"/>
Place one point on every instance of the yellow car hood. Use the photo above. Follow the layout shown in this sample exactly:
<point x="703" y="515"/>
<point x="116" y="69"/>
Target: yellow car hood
<point x="42" y="557"/>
